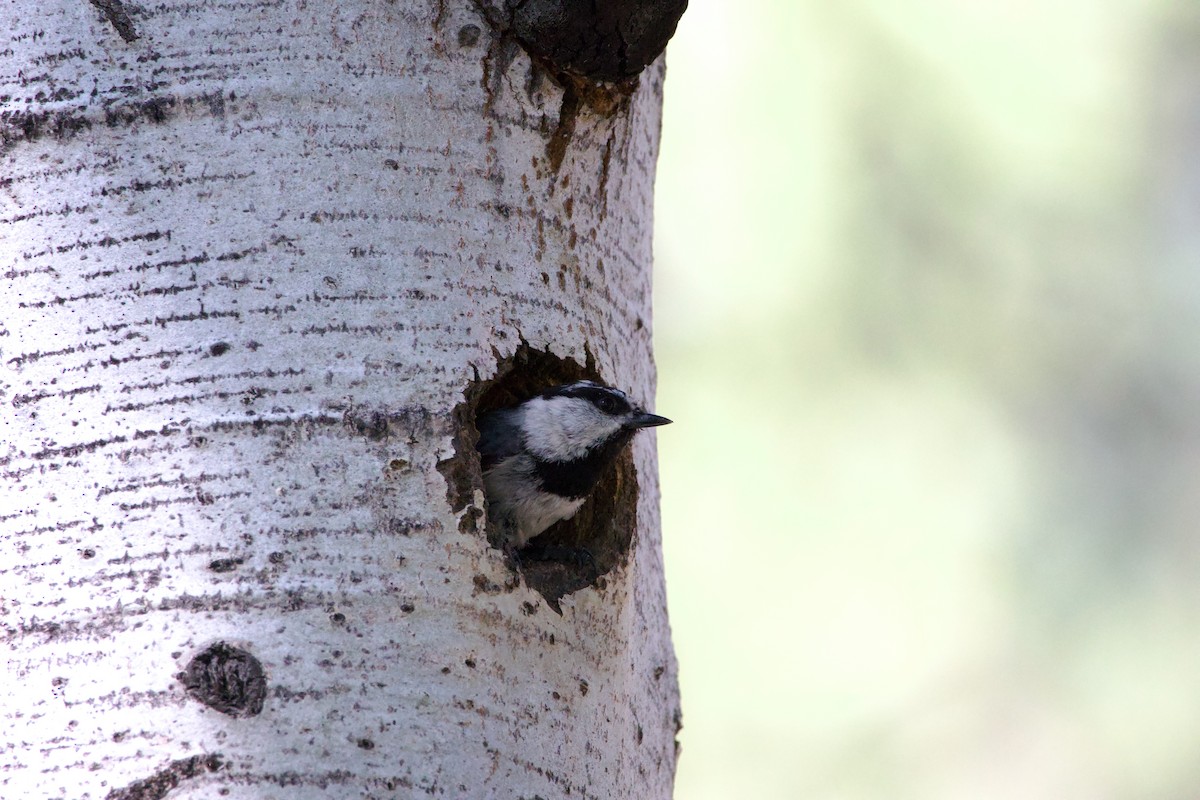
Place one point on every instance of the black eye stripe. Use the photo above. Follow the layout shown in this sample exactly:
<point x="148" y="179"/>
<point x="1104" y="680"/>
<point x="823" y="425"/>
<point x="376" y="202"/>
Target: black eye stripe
<point x="610" y="401"/>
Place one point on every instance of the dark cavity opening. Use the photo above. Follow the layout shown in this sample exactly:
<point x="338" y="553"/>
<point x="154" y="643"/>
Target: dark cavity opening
<point x="574" y="553"/>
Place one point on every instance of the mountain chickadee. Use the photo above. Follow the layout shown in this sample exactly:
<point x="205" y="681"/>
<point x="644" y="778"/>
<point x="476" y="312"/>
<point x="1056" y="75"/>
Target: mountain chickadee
<point x="542" y="457"/>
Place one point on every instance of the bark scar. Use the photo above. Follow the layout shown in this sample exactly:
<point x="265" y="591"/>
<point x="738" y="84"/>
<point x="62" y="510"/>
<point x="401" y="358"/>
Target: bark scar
<point x="114" y="11"/>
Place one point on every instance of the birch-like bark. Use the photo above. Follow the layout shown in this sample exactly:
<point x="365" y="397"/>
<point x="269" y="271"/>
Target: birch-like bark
<point x="253" y="257"/>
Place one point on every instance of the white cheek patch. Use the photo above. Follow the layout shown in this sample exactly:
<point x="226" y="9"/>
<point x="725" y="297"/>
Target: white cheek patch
<point x="565" y="428"/>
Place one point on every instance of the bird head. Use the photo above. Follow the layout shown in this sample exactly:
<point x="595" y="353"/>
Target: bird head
<point x="569" y="421"/>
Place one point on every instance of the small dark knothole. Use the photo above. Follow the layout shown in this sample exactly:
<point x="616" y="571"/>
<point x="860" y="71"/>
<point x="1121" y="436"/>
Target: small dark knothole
<point x="366" y="744"/>
<point x="218" y="348"/>
<point x="87" y="552"/>
<point x="468" y="35"/>
<point x="575" y="553"/>
<point x="226" y="679"/>
<point x="583" y="687"/>
<point x="470" y="662"/>
<point x="407" y="608"/>
<point x="158" y="785"/>
<point x="225" y="564"/>
<point x="337" y="618"/>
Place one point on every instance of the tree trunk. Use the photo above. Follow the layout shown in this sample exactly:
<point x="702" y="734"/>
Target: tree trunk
<point x="261" y="264"/>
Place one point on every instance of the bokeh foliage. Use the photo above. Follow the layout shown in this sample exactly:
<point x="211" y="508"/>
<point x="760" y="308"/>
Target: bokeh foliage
<point x="928" y="319"/>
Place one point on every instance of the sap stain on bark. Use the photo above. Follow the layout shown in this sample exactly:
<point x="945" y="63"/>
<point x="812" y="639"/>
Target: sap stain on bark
<point x="594" y="51"/>
<point x="160" y="783"/>
<point x="226" y="679"/>
<point x="564" y="131"/>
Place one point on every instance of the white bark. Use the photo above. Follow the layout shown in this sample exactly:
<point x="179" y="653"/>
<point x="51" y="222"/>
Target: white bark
<point x="251" y="256"/>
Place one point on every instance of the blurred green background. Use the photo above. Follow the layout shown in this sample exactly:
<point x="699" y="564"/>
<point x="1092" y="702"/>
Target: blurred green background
<point x="927" y="316"/>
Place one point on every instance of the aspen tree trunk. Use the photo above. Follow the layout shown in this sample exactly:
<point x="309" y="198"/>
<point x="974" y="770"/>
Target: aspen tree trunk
<point x="258" y="260"/>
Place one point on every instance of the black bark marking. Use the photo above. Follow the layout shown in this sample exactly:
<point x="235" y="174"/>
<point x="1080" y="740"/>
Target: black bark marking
<point x="225" y="564"/>
<point x="157" y="785"/>
<point x="114" y="11"/>
<point x="226" y="679"/>
<point x="218" y="348"/>
<point x="30" y="126"/>
<point x="365" y="422"/>
<point x="610" y="41"/>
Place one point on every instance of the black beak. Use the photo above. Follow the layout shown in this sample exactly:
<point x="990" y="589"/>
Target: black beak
<point x="644" y="420"/>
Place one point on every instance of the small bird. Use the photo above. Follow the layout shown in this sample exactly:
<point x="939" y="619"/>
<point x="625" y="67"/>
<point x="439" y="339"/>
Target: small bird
<point x="541" y="458"/>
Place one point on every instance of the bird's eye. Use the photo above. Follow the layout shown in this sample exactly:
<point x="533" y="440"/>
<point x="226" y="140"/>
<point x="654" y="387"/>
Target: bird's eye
<point x="605" y="404"/>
